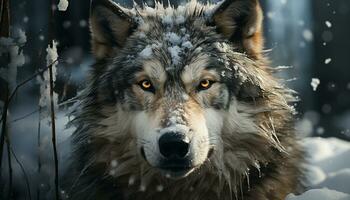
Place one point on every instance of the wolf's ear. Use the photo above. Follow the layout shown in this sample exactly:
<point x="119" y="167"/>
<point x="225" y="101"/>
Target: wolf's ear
<point x="110" y="26"/>
<point x="241" y="22"/>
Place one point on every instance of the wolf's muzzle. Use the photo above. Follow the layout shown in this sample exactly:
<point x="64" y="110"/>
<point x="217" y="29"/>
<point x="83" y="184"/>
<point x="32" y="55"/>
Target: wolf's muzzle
<point x="174" y="148"/>
<point x="173" y="145"/>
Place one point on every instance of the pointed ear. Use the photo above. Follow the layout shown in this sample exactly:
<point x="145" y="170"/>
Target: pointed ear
<point x="241" y="22"/>
<point x="110" y="26"/>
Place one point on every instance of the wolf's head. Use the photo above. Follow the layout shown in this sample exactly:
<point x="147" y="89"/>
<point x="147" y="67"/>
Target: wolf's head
<point x="175" y="90"/>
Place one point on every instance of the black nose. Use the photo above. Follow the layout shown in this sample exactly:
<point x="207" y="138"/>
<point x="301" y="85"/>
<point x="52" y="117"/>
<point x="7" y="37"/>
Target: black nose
<point x="173" y="145"/>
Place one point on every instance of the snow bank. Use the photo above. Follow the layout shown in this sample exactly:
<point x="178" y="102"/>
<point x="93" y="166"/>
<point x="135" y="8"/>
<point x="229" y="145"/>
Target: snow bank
<point x="328" y="175"/>
<point x="320" y="194"/>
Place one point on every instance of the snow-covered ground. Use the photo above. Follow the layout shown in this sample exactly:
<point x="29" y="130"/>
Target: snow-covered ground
<point x="328" y="170"/>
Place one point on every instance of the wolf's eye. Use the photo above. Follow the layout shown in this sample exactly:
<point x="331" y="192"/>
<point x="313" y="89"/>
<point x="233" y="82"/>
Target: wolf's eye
<point x="205" y="84"/>
<point x="146" y="85"/>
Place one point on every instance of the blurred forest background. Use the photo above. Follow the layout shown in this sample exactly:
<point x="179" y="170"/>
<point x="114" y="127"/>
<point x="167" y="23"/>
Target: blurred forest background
<point x="311" y="36"/>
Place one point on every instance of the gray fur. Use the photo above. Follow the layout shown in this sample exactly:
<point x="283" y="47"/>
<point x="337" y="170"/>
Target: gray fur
<point x="256" y="154"/>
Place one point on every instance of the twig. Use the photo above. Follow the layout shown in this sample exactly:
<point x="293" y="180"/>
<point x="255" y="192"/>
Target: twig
<point x="53" y="123"/>
<point x="3" y="131"/>
<point x="39" y="150"/>
<point x="8" y="144"/>
<point x="24" y="116"/>
<point x="30" y="78"/>
<point x="53" y="129"/>
<point x="40" y="72"/>
<point x="23" y="171"/>
<point x="5" y="19"/>
<point x="4" y="32"/>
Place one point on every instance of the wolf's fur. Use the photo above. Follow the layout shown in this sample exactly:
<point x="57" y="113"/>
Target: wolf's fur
<point x="245" y="117"/>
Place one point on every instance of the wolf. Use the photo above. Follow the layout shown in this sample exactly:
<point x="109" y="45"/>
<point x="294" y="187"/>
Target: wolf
<point x="181" y="103"/>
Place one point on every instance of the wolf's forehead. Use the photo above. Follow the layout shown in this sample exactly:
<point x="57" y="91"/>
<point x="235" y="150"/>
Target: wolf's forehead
<point x="170" y="40"/>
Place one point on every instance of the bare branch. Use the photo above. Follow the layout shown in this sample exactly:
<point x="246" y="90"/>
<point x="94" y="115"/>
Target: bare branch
<point x="53" y="122"/>
<point x="40" y="72"/>
<point x="24" y="116"/>
<point x="5" y="18"/>
<point x="23" y="171"/>
<point x="8" y="144"/>
<point x="5" y="32"/>
<point x="53" y="129"/>
<point x="33" y="76"/>
<point x="3" y="130"/>
<point x="39" y="151"/>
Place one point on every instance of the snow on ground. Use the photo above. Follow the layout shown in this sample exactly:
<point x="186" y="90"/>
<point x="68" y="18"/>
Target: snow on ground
<point x="328" y="170"/>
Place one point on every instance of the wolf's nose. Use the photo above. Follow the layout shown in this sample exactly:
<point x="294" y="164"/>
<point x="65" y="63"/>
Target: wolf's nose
<point x="173" y="145"/>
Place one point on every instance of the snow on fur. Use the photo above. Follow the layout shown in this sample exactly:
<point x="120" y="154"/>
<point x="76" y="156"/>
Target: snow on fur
<point x="177" y="42"/>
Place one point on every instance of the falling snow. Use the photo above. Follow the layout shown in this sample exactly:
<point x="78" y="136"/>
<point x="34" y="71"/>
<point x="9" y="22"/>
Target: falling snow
<point x="284" y="2"/>
<point x="307" y="34"/>
<point x="114" y="163"/>
<point x="25" y="19"/>
<point x="82" y="23"/>
<point x="63" y="5"/>
<point x="142" y="188"/>
<point x="327" y="61"/>
<point x="271" y="15"/>
<point x="314" y="83"/>
<point x="66" y="24"/>
<point x="328" y="24"/>
<point x="160" y="188"/>
<point x="131" y="180"/>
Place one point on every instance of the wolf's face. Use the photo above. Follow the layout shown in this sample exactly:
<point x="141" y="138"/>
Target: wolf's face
<point x="172" y="78"/>
<point x="177" y="116"/>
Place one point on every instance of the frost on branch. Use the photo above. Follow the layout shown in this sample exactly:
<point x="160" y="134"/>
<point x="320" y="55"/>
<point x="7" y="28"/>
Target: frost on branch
<point x="63" y="5"/>
<point x="44" y="82"/>
<point x="13" y="48"/>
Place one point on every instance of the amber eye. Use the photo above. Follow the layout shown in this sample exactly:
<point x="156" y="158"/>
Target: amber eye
<point x="146" y="85"/>
<point x="205" y="84"/>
